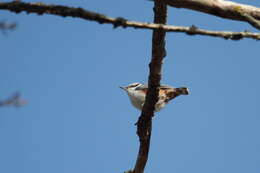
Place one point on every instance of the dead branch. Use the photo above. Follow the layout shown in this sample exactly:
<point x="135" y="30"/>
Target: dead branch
<point x="5" y="26"/>
<point x="14" y="100"/>
<point x="221" y="8"/>
<point x="64" y="11"/>
<point x="144" y="124"/>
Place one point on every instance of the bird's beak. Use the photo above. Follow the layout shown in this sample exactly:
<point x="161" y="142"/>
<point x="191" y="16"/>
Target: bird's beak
<point x="124" y="88"/>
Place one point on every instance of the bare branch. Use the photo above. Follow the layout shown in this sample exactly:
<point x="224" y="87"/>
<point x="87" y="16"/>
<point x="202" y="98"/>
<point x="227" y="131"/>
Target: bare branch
<point x="14" y="100"/>
<point x="144" y="124"/>
<point x="193" y="30"/>
<point x="222" y="8"/>
<point x="255" y="23"/>
<point x="4" y="26"/>
<point x="64" y="11"/>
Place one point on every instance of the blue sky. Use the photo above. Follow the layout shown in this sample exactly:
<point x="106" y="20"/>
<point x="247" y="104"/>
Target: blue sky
<point x="78" y="120"/>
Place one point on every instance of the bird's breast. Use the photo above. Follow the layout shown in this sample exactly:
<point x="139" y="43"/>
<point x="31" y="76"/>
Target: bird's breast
<point x="137" y="99"/>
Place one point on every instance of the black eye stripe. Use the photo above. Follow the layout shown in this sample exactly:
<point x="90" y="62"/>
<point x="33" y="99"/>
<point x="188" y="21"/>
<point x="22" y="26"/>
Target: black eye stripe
<point x="134" y="85"/>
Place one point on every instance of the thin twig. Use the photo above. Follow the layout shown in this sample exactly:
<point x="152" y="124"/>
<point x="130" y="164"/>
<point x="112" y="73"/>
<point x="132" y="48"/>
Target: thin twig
<point x="64" y="11"/>
<point x="254" y="22"/>
<point x="144" y="124"/>
<point x="5" y="26"/>
<point x="14" y="100"/>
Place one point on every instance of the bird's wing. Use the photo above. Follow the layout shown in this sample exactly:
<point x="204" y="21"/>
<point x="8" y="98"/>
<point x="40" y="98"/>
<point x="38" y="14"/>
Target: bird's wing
<point x="165" y="87"/>
<point x="144" y="87"/>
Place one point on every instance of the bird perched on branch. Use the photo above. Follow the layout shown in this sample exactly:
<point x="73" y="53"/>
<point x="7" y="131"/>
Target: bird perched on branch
<point x="137" y="93"/>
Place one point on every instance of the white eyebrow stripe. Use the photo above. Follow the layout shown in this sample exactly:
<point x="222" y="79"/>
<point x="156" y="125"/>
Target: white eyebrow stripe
<point x="141" y="87"/>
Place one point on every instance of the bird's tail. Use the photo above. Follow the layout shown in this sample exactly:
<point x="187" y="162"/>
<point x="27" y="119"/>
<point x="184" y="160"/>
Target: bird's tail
<point x="182" y="91"/>
<point x="176" y="92"/>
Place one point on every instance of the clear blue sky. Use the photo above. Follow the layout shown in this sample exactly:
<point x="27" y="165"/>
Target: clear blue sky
<point x="78" y="120"/>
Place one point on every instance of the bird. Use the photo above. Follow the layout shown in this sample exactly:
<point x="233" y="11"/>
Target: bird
<point x="137" y="93"/>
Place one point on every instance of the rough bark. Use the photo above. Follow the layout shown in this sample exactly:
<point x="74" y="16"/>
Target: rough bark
<point x="144" y="124"/>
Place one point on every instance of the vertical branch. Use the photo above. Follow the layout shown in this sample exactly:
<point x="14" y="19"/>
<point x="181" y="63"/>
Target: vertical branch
<point x="144" y="124"/>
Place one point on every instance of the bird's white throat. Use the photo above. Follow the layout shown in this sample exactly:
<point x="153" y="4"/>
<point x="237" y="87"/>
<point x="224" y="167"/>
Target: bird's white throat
<point x="137" y="98"/>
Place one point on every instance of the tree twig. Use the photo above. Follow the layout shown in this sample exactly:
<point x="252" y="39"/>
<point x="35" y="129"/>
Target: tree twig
<point x="144" y="124"/>
<point x="254" y="22"/>
<point x="64" y="11"/>
<point x="221" y="8"/>
<point x="14" y="100"/>
<point x="4" y="26"/>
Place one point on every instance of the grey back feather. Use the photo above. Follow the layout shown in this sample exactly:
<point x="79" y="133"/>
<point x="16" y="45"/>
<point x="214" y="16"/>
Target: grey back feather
<point x="145" y="86"/>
